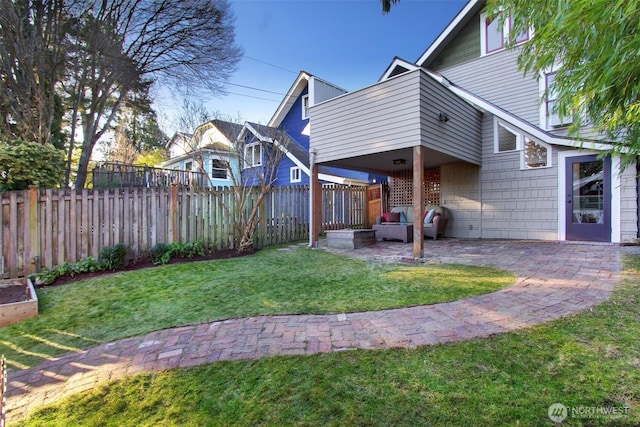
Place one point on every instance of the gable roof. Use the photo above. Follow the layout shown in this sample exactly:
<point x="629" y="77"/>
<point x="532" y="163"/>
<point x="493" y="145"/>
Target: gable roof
<point x="298" y="86"/>
<point x="450" y="31"/>
<point x="294" y="151"/>
<point x="397" y="66"/>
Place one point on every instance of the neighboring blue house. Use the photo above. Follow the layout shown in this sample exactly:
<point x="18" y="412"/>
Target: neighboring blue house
<point x="209" y="149"/>
<point x="290" y="124"/>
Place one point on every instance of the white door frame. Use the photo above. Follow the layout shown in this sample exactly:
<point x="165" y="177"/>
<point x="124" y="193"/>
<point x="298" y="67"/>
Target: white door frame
<point x="562" y="196"/>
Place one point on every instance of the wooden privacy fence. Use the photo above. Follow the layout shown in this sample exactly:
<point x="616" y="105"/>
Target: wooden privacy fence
<point x="44" y="228"/>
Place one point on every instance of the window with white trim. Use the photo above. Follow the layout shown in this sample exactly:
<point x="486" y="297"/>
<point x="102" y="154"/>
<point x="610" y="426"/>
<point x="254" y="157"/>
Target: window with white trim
<point x="494" y="34"/>
<point x="535" y="155"/>
<point x="305" y="107"/>
<point x="188" y="166"/>
<point x="253" y="155"/>
<point x="294" y="174"/>
<point x="551" y="117"/>
<point x="219" y="169"/>
<point x="505" y="139"/>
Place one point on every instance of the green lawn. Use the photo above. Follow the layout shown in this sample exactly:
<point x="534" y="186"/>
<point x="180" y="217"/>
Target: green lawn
<point x="591" y="359"/>
<point x="125" y="304"/>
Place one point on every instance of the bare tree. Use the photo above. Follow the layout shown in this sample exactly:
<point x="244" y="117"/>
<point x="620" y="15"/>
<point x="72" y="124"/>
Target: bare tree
<point x="259" y="161"/>
<point x="31" y="63"/>
<point x="190" y="45"/>
<point x="113" y="49"/>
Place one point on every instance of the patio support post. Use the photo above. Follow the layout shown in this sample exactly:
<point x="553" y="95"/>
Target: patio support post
<point x="316" y="206"/>
<point x="418" y="200"/>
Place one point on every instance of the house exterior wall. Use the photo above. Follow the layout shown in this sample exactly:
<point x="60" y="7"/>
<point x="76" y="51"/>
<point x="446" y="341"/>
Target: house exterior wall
<point x="628" y="204"/>
<point x="460" y="194"/>
<point x="284" y="174"/>
<point x="464" y="47"/>
<point x="293" y="123"/>
<point x="516" y="203"/>
<point x="460" y="135"/>
<point x="497" y="78"/>
<point x="321" y="91"/>
<point x="401" y="112"/>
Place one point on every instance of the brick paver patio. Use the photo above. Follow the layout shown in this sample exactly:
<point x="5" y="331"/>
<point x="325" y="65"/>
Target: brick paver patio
<point x="552" y="280"/>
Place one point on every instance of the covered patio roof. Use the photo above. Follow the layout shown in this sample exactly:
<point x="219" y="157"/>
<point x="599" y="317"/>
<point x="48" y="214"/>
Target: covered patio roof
<point x="410" y="121"/>
<point x="370" y="128"/>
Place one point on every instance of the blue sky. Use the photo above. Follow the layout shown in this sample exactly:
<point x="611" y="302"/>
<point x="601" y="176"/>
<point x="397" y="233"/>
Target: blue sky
<point x="346" y="42"/>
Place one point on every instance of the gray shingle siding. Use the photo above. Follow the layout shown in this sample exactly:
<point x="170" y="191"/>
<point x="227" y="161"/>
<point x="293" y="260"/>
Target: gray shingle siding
<point x="464" y="47"/>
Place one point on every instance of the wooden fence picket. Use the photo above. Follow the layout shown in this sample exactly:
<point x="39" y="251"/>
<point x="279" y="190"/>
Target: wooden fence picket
<point x="44" y="228"/>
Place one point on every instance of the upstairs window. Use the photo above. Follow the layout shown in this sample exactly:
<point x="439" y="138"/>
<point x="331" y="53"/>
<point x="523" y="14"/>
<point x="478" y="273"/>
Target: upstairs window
<point x="551" y="117"/>
<point x="219" y="169"/>
<point x="188" y="166"/>
<point x="494" y="34"/>
<point x="305" y="107"/>
<point x="253" y="155"/>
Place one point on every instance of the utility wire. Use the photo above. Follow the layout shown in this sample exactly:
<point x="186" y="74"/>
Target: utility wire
<point x="271" y="65"/>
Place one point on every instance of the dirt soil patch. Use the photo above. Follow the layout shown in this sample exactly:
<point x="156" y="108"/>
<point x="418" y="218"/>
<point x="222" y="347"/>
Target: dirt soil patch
<point x="11" y="293"/>
<point x="146" y="262"/>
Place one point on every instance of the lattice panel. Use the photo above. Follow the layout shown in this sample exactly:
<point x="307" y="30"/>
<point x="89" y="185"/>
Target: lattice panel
<point x="401" y="187"/>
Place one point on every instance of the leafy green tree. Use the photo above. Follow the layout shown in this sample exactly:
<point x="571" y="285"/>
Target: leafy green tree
<point x="595" y="44"/>
<point x="29" y="163"/>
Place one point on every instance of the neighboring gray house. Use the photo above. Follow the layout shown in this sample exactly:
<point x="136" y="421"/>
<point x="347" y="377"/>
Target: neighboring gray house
<point x="495" y="153"/>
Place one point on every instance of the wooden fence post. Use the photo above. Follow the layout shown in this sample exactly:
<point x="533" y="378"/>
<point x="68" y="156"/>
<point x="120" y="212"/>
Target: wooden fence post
<point x="174" y="213"/>
<point x="32" y="264"/>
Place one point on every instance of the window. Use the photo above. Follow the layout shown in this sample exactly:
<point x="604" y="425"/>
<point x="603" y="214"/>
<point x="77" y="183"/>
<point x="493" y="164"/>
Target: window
<point x="305" y="107"/>
<point x="294" y="174"/>
<point x="219" y="169"/>
<point x="188" y="166"/>
<point x="519" y="38"/>
<point x="253" y="155"/>
<point x="494" y="34"/>
<point x="535" y="155"/>
<point x="505" y="139"/>
<point x="552" y="118"/>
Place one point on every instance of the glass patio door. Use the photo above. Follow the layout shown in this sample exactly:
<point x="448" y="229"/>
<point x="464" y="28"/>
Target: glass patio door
<point x="588" y="191"/>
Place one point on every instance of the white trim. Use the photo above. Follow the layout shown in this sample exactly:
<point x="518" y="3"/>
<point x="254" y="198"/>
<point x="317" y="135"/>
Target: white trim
<point x="616" y="195"/>
<point x="496" y="137"/>
<point x="293" y="171"/>
<point x="397" y="62"/>
<point x="523" y="164"/>
<point x="526" y="127"/>
<point x="292" y="94"/>
<point x="616" y="198"/>
<point x="247" y="147"/>
<point x="483" y="35"/>
<point x="305" y="110"/>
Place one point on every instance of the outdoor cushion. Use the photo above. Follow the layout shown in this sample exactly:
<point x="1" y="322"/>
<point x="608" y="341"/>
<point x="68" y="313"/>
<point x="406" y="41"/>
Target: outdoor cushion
<point x="429" y="216"/>
<point x="393" y="217"/>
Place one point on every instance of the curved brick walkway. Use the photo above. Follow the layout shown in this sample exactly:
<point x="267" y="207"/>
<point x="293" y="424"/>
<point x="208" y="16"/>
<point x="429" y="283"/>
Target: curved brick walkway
<point x="553" y="280"/>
